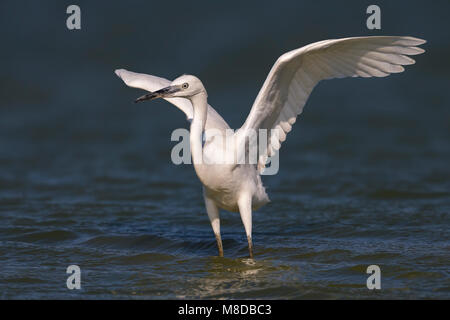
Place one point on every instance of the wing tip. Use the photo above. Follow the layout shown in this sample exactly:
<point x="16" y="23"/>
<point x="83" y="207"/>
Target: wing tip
<point x="119" y="72"/>
<point x="418" y="41"/>
<point x="408" y="40"/>
<point x="420" y="50"/>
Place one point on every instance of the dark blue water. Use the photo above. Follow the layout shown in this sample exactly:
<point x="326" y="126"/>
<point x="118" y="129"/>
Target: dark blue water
<point x="86" y="176"/>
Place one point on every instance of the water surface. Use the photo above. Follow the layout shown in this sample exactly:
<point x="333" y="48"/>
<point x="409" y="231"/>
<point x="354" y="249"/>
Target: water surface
<point x="86" y="176"/>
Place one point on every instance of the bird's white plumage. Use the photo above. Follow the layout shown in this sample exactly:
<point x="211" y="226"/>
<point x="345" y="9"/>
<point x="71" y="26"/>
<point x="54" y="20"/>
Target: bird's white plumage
<point x="296" y="73"/>
<point x="238" y="187"/>
<point x="153" y="83"/>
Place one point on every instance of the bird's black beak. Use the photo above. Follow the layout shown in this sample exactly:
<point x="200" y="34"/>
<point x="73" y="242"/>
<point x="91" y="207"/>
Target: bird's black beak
<point x="162" y="93"/>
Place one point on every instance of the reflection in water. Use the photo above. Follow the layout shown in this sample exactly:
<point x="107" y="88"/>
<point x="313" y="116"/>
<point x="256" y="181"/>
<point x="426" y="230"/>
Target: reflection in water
<point x="232" y="278"/>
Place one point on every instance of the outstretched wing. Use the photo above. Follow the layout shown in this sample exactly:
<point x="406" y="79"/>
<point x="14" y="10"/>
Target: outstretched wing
<point x="295" y="74"/>
<point x="152" y="83"/>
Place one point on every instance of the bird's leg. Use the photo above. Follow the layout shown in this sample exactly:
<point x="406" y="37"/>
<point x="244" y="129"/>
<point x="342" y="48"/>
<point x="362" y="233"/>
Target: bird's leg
<point x="245" y="209"/>
<point x="213" y="214"/>
<point x="219" y="245"/>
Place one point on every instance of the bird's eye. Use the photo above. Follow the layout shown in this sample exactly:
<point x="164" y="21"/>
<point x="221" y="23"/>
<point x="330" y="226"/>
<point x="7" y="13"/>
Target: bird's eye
<point x="185" y="85"/>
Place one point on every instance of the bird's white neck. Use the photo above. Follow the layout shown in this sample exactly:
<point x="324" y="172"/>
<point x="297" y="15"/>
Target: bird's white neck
<point x="200" y="106"/>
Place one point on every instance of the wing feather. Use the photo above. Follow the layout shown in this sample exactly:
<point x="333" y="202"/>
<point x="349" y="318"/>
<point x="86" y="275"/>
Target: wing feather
<point x="296" y="73"/>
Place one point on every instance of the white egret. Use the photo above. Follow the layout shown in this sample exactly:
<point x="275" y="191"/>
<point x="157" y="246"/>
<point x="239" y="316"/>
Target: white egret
<point x="238" y="187"/>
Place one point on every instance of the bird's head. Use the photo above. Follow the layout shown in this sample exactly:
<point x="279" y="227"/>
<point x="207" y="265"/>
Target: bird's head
<point x="185" y="86"/>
